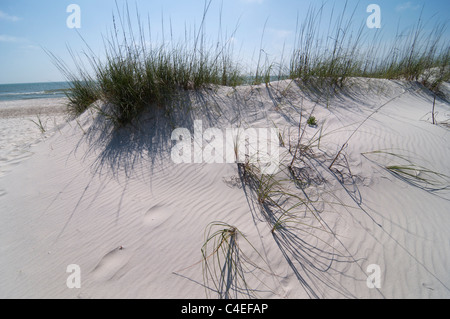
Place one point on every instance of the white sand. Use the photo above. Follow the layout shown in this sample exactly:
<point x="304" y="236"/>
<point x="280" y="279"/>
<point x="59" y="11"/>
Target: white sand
<point x="79" y="198"/>
<point x="20" y="127"/>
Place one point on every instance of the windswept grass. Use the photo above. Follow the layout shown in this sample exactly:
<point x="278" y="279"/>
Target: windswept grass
<point x="137" y="76"/>
<point x="326" y="59"/>
<point x="329" y="59"/>
<point x="83" y="89"/>
<point x="292" y="202"/>
<point x="225" y="263"/>
<point x="39" y="124"/>
<point x="406" y="170"/>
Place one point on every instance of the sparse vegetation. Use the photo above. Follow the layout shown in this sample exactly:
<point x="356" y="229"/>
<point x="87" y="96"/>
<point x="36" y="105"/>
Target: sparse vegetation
<point x="226" y="264"/>
<point x="406" y="170"/>
<point x="135" y="78"/>
<point x="312" y="121"/>
<point x="326" y="60"/>
<point x="39" y="124"/>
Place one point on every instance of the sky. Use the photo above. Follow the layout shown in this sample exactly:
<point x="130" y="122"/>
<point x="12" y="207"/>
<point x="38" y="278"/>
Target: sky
<point x="28" y="27"/>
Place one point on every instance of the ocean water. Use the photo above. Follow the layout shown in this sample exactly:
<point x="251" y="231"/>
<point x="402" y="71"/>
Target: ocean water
<point x="26" y="91"/>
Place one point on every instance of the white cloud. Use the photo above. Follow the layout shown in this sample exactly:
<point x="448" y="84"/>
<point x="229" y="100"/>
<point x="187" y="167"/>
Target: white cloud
<point x="7" y="17"/>
<point x="31" y="47"/>
<point x="8" y="38"/>
<point x="280" y="33"/>
<point x="407" y="6"/>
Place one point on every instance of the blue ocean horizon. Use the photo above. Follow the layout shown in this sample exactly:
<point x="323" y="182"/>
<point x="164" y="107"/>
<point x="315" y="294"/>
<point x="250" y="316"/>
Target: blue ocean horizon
<point x="27" y="91"/>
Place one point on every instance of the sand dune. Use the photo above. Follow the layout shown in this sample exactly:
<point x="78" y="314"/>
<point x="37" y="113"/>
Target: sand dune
<point x="135" y="222"/>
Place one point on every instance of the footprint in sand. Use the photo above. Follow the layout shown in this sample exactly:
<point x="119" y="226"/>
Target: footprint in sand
<point x="111" y="264"/>
<point x="156" y="216"/>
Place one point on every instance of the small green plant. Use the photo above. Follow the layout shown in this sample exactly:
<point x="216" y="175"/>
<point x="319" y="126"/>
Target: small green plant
<point x="312" y="121"/>
<point x="39" y="124"/>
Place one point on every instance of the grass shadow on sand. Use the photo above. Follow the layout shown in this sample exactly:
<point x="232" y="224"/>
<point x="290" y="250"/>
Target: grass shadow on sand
<point x="308" y="245"/>
<point x="135" y="148"/>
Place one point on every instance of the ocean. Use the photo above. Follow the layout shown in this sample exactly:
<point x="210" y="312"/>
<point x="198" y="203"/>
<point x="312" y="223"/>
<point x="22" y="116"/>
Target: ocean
<point x="26" y="91"/>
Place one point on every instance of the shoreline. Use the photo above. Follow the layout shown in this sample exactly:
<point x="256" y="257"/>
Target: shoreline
<point x="32" y="107"/>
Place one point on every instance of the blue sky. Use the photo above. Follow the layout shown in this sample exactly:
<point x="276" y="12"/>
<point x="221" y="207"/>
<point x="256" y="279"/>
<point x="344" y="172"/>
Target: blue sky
<point x="28" y="26"/>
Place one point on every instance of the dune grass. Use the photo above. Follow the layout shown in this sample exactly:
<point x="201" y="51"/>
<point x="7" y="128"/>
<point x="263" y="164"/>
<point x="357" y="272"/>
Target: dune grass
<point x="329" y="59"/>
<point x="403" y="168"/>
<point x="136" y="76"/>
<point x="39" y="124"/>
<point x="226" y="264"/>
<point x="292" y="203"/>
<point x="312" y="121"/>
<point x="277" y="195"/>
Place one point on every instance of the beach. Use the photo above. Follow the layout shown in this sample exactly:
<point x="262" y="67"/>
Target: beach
<point x="21" y="129"/>
<point x="368" y="211"/>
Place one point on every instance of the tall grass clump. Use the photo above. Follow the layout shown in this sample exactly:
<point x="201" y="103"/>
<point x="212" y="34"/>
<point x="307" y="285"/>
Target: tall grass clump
<point x="83" y="88"/>
<point x="137" y="75"/>
<point x="82" y="94"/>
<point x="416" y="55"/>
<point x="329" y="56"/>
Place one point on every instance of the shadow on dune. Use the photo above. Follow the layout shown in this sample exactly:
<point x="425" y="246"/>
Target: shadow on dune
<point x="136" y="148"/>
<point x="363" y="92"/>
<point x="313" y="261"/>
